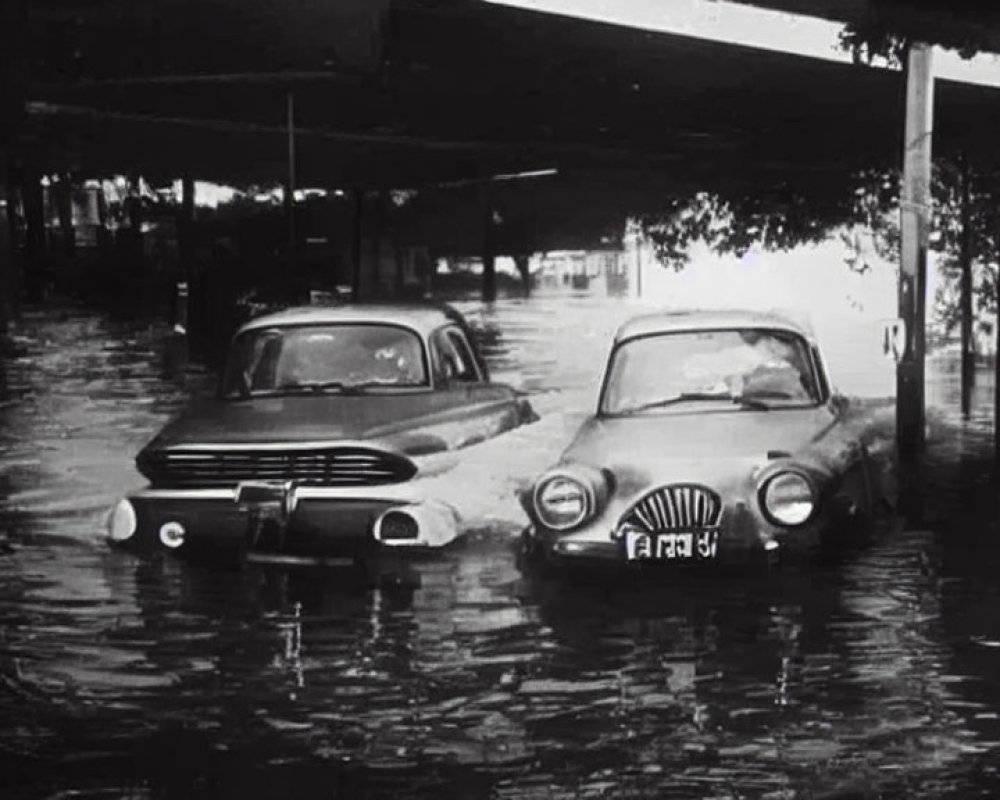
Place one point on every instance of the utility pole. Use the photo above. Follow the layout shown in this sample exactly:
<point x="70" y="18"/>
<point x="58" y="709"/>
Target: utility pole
<point x="357" y="232"/>
<point x="968" y="364"/>
<point x="915" y="217"/>
<point x="13" y="93"/>
<point x="489" y="287"/>
<point x="290" y="186"/>
<point x="996" y="357"/>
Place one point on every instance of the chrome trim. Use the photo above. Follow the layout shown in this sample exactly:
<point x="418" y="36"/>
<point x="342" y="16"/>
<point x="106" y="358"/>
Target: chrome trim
<point x="377" y="527"/>
<point x="314" y="444"/>
<point x="675" y="507"/>
<point x="777" y="471"/>
<point x="559" y="474"/>
<point x="392" y="493"/>
<point x="204" y="465"/>
<point x="438" y="525"/>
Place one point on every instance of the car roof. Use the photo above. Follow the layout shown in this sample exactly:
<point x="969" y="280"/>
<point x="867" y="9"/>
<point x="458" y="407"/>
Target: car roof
<point x="660" y="322"/>
<point x="421" y="318"/>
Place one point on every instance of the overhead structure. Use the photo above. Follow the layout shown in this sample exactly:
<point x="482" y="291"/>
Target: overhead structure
<point x="412" y="92"/>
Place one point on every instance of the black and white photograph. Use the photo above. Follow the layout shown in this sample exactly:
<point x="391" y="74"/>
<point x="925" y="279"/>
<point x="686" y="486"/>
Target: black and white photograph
<point x="499" y="399"/>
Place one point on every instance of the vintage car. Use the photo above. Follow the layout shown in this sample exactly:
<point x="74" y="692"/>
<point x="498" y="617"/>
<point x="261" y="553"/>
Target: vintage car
<point x="717" y="439"/>
<point x="317" y="439"/>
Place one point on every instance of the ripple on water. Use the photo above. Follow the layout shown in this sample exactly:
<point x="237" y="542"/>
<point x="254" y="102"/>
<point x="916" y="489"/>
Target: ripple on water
<point x="131" y="677"/>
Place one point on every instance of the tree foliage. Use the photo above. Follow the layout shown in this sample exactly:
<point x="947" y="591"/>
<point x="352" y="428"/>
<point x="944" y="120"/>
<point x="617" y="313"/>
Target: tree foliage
<point x="873" y="44"/>
<point x="883" y="37"/>
<point x="733" y="225"/>
<point x="966" y="217"/>
<point x="866" y="221"/>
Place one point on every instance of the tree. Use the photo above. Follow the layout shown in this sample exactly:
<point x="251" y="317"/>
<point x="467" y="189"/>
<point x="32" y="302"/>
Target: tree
<point x="774" y="220"/>
<point x="883" y="37"/>
<point x="965" y="232"/>
<point x="966" y="215"/>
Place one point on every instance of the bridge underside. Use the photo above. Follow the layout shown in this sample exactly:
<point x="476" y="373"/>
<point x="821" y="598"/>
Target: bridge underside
<point x="464" y="89"/>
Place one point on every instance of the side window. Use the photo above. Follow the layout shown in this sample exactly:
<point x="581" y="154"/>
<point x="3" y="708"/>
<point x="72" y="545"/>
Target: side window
<point x="453" y="359"/>
<point x="824" y="388"/>
<point x="463" y="350"/>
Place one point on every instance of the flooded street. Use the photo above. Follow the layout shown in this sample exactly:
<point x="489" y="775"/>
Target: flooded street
<point x="141" y="678"/>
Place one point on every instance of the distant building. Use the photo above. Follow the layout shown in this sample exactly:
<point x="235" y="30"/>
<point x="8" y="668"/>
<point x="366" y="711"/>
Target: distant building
<point x="600" y="272"/>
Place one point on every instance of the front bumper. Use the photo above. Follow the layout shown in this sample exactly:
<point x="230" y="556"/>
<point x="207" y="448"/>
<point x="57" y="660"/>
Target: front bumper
<point x="744" y="538"/>
<point x="308" y="524"/>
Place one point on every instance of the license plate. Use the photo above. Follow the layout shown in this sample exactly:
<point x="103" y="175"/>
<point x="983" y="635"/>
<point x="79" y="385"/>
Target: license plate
<point x="680" y="546"/>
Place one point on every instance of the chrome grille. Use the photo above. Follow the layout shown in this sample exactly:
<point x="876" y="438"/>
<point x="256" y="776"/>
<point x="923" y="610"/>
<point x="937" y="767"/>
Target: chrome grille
<point x="327" y="466"/>
<point x="676" y="507"/>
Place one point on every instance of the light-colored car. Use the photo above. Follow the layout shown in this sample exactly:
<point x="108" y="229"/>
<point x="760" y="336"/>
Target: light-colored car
<point x="717" y="438"/>
<point x="312" y="448"/>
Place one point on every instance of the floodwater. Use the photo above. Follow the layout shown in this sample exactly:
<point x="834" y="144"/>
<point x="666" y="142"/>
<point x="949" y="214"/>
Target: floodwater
<point x="878" y="677"/>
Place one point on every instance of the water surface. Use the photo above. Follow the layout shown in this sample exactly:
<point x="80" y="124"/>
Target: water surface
<point x="129" y="677"/>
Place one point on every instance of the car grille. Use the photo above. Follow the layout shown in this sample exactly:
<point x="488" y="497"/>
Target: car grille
<point x="676" y="507"/>
<point x="326" y="466"/>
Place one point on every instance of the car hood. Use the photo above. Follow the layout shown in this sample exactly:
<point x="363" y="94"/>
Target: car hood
<point x="704" y="436"/>
<point x="397" y="421"/>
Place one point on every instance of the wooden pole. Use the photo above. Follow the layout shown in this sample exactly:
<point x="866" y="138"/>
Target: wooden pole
<point x="968" y="364"/>
<point x="996" y="383"/>
<point x="356" y="239"/>
<point x="64" y="206"/>
<point x="184" y="321"/>
<point x="996" y="358"/>
<point x="915" y="215"/>
<point x="35" y="246"/>
<point x="489" y="288"/>
<point x="293" y="244"/>
<point x="376" y="230"/>
<point x="10" y="292"/>
<point x="7" y="281"/>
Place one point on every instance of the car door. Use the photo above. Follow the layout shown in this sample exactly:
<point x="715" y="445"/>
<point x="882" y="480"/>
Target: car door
<point x="485" y="409"/>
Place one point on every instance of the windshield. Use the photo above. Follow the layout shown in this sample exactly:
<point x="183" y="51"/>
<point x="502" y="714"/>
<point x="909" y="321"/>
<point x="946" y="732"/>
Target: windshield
<point x="754" y="368"/>
<point x="323" y="358"/>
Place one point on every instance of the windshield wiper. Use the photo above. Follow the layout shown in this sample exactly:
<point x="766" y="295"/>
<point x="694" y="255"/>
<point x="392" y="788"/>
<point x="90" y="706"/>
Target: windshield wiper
<point x="755" y="402"/>
<point x="679" y="398"/>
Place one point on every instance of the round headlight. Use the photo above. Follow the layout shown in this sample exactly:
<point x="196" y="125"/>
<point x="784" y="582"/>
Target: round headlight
<point x="788" y="499"/>
<point x="562" y="502"/>
<point x="122" y="523"/>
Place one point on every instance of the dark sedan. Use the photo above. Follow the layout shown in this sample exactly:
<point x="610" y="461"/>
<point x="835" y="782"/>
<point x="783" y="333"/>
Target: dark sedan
<point x="313" y="446"/>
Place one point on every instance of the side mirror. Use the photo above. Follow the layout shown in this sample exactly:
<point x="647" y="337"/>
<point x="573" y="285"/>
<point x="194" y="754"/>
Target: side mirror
<point x="839" y="403"/>
<point x="893" y="337"/>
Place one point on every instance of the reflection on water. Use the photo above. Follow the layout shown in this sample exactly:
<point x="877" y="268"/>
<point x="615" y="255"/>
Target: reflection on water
<point x="126" y="677"/>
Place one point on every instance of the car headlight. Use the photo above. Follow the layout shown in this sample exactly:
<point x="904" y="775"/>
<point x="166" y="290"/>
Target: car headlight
<point x="122" y="523"/>
<point x="563" y="502"/>
<point x="788" y="499"/>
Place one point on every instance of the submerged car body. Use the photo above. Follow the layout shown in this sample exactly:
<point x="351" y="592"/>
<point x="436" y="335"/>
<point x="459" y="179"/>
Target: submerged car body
<point x="313" y="448"/>
<point x="717" y="439"/>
